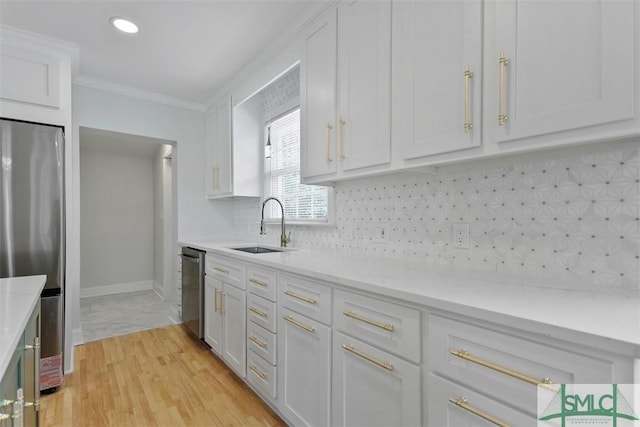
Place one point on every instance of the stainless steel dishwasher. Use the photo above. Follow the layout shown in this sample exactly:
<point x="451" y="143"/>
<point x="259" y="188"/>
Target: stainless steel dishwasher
<point x="193" y="290"/>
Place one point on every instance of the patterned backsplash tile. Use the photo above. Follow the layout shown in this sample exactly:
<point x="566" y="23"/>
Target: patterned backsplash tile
<point x="567" y="218"/>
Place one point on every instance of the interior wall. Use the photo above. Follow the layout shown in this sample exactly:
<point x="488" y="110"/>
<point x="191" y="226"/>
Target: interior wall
<point x="116" y="222"/>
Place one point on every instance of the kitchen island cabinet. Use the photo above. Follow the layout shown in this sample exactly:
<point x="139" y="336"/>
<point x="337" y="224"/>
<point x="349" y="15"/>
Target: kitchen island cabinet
<point x="20" y="350"/>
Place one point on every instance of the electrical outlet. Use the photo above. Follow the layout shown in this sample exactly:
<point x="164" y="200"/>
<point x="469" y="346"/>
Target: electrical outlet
<point x="461" y="236"/>
<point x="381" y="232"/>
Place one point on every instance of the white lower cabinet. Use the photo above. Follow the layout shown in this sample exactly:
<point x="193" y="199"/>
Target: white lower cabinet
<point x="304" y="369"/>
<point x="234" y="323"/>
<point x="372" y="387"/>
<point x="452" y="405"/>
<point x="213" y="314"/>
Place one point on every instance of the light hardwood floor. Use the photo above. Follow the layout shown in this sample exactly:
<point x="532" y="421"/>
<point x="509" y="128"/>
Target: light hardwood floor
<point x="159" y="377"/>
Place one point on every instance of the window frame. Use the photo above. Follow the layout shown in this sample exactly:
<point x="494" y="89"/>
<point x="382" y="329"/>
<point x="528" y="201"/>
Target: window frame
<point x="275" y="114"/>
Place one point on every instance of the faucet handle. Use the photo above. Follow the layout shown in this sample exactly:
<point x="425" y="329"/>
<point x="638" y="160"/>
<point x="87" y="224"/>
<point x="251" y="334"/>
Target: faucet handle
<point x="286" y="240"/>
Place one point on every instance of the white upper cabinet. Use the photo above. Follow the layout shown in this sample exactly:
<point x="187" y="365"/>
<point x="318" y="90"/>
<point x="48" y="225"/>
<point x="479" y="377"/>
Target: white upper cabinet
<point x="232" y="150"/>
<point x="346" y="91"/>
<point x="437" y="77"/>
<point x="568" y="70"/>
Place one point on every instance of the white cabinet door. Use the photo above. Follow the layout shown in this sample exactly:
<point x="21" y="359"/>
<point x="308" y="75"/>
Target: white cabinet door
<point x="372" y="387"/>
<point x="304" y="361"/>
<point x="213" y="314"/>
<point x="434" y="43"/>
<point x="211" y="155"/>
<point x="224" y="183"/>
<point x="364" y="84"/>
<point x="234" y="328"/>
<point x="570" y="65"/>
<point x="318" y="97"/>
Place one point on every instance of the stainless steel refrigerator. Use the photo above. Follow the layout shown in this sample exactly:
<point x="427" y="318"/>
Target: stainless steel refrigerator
<point x="32" y="227"/>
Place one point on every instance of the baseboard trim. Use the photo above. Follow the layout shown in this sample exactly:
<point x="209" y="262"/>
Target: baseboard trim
<point x="120" y="288"/>
<point x="158" y="290"/>
<point x="173" y="315"/>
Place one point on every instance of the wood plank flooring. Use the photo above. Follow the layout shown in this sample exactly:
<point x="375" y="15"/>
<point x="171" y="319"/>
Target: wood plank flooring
<point x="159" y="377"/>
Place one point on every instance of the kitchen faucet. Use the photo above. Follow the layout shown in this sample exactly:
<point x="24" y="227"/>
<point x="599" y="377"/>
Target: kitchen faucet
<point x="284" y="239"/>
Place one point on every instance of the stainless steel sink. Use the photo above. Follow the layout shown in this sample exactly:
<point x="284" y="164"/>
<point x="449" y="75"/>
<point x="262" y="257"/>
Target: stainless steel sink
<point x="257" y="250"/>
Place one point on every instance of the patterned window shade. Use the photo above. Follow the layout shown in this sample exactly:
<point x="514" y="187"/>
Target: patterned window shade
<point x="282" y="175"/>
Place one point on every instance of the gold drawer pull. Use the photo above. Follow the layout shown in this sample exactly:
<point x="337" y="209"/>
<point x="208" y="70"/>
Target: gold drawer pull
<point x="464" y="404"/>
<point x="502" y="116"/>
<point x="258" y="312"/>
<point x="368" y="358"/>
<point x="386" y="326"/>
<point x="221" y="270"/>
<point x="464" y="354"/>
<point x="293" y="321"/>
<point x="328" y="145"/>
<point x="300" y="297"/>
<point x="258" y="372"/>
<point x="258" y="282"/>
<point x="258" y="342"/>
<point x="467" y="120"/>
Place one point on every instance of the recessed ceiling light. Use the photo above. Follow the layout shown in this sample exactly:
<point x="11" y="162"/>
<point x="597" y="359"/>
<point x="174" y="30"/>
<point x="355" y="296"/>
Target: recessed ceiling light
<point x="124" y="25"/>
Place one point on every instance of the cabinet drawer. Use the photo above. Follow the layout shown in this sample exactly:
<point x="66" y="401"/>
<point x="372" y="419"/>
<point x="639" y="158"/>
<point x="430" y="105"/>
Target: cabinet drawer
<point x="262" y="342"/>
<point x="390" y="326"/>
<point x="262" y="312"/>
<point x="225" y="269"/>
<point x="506" y="366"/>
<point x="453" y="405"/>
<point x="261" y="281"/>
<point x="261" y="374"/>
<point x="306" y="297"/>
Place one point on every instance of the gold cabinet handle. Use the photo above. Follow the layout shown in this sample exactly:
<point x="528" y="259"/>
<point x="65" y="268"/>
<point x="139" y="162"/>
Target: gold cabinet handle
<point x="502" y="117"/>
<point x="384" y="365"/>
<point x="218" y="301"/>
<point x="341" y="124"/>
<point x="463" y="403"/>
<point x="328" y="128"/>
<point x="257" y="342"/>
<point x="36" y="373"/>
<point x="258" y="312"/>
<point x="464" y="354"/>
<point x="258" y="282"/>
<point x="221" y="270"/>
<point x="300" y="297"/>
<point x="258" y="372"/>
<point x="467" y="99"/>
<point x="294" y="322"/>
<point x="386" y="326"/>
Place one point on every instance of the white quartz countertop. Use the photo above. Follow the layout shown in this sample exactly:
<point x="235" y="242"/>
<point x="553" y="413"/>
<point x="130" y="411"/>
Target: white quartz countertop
<point x="18" y="298"/>
<point x="539" y="307"/>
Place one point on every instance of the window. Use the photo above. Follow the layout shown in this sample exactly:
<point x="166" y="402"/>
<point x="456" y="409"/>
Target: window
<point x="302" y="203"/>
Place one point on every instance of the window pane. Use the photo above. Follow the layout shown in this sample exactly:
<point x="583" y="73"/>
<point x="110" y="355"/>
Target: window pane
<point x="282" y="174"/>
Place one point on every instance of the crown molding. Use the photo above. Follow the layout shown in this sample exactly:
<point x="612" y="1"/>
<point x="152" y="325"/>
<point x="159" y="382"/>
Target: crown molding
<point x="133" y="92"/>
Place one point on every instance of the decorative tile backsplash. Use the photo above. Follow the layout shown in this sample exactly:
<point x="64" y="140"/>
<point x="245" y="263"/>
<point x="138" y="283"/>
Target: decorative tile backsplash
<point x="566" y="218"/>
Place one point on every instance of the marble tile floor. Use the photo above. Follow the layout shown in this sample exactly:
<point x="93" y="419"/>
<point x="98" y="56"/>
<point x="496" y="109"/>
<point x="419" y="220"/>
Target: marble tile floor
<point x="120" y="314"/>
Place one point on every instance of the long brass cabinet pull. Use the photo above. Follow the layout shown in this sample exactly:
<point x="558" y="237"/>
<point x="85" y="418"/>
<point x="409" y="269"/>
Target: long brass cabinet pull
<point x="300" y="325"/>
<point x="300" y="297"/>
<point x="386" y="326"/>
<point x="467" y="99"/>
<point x="463" y="354"/>
<point x="464" y="404"/>
<point x="258" y="372"/>
<point x="258" y="312"/>
<point x="258" y="282"/>
<point x="328" y="128"/>
<point x="257" y="342"/>
<point x="36" y="373"/>
<point x="502" y="117"/>
<point x="341" y="124"/>
<point x="221" y="270"/>
<point x="384" y="365"/>
<point x="215" y="300"/>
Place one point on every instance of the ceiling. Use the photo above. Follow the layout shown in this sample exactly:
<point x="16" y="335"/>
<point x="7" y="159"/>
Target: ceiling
<point x="186" y="50"/>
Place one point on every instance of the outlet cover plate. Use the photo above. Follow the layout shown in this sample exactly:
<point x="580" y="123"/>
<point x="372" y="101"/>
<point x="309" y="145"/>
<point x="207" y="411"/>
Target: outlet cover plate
<point x="461" y="236"/>
<point x="380" y="232"/>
